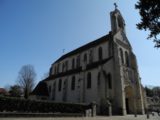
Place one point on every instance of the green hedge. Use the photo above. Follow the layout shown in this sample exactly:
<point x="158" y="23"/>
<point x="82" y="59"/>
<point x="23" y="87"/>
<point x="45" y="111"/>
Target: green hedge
<point x="21" y="105"/>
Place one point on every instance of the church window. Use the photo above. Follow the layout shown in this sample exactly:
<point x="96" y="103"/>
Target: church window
<point x="109" y="49"/>
<point x="121" y="55"/>
<point x="89" y="80"/>
<point x="120" y="22"/>
<point x="49" y="88"/>
<point x="58" y="67"/>
<point x="85" y="57"/>
<point x="100" y="53"/>
<point x="55" y="70"/>
<point x="90" y="56"/>
<point x="66" y="65"/>
<point x="63" y="67"/>
<point x="109" y="81"/>
<point x="50" y="71"/>
<point x="73" y="63"/>
<point x="78" y="61"/>
<point x="64" y="84"/>
<point x="54" y="91"/>
<point x="98" y="79"/>
<point x="127" y="59"/>
<point x="114" y="23"/>
<point x="59" y="85"/>
<point x="64" y="97"/>
<point x="73" y="83"/>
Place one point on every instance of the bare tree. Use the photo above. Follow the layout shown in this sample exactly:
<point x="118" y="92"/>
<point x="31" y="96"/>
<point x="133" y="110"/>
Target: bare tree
<point x="26" y="79"/>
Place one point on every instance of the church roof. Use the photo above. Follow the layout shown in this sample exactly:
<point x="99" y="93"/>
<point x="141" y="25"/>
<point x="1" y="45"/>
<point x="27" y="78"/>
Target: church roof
<point x="85" y="47"/>
<point x="41" y="89"/>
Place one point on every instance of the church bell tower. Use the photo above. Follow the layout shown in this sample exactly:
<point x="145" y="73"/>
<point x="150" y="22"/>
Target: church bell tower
<point x="117" y="21"/>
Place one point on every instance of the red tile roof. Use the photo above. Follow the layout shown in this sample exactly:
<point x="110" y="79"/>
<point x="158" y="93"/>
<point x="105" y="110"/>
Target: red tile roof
<point x="3" y="91"/>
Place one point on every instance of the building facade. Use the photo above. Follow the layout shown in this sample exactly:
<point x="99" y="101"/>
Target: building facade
<point x="104" y="71"/>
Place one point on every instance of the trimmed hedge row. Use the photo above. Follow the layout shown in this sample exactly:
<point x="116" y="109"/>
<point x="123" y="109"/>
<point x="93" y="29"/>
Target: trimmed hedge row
<point x="21" y="105"/>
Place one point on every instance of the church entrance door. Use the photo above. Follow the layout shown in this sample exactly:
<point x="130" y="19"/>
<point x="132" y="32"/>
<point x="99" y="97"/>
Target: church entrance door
<point x="127" y="106"/>
<point x="129" y="100"/>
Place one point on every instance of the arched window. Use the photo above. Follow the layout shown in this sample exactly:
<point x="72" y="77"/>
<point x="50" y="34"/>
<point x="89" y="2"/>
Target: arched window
<point x="73" y="83"/>
<point x="89" y="80"/>
<point x="63" y="67"/>
<point x="55" y="70"/>
<point x="100" y="53"/>
<point x="90" y="56"/>
<point x="60" y="85"/>
<point x="109" y="81"/>
<point x="85" y="57"/>
<point x="64" y="95"/>
<point x="127" y="59"/>
<point x="73" y="63"/>
<point x="50" y="89"/>
<point x="66" y="65"/>
<point x="98" y="78"/>
<point x="78" y="61"/>
<point x="114" y="27"/>
<point x="54" y="91"/>
<point x="58" y="67"/>
<point x="50" y="71"/>
<point x="121" y="55"/>
<point x="64" y="84"/>
<point x="120" y="22"/>
<point x="110" y="49"/>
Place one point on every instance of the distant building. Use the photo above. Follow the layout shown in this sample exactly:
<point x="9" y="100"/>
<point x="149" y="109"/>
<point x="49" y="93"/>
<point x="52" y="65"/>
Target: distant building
<point x="3" y="92"/>
<point x="153" y="103"/>
<point x="104" y="71"/>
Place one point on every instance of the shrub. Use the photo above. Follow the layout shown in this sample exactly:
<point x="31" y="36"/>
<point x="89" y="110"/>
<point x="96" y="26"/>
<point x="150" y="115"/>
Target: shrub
<point x="21" y="105"/>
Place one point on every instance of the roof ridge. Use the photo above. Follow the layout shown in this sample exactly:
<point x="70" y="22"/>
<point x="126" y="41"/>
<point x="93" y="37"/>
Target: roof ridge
<point x="84" y="47"/>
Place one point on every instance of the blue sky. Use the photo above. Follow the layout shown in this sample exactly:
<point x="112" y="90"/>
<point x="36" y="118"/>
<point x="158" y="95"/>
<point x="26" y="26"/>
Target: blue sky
<point x="36" y="32"/>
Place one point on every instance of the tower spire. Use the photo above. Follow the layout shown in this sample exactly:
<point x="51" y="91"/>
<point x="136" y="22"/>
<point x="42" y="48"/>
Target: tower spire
<point x="117" y="21"/>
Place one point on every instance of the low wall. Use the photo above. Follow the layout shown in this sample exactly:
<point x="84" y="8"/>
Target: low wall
<point x="16" y="115"/>
<point x="21" y="107"/>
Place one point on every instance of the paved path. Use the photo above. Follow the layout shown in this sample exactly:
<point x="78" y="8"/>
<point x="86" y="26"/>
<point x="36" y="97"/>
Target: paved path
<point x="128" y="117"/>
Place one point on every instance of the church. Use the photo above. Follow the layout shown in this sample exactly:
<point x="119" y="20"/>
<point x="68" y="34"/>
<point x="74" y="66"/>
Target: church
<point x="104" y="71"/>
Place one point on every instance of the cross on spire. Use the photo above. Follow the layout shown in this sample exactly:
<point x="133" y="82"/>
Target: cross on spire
<point x="115" y="6"/>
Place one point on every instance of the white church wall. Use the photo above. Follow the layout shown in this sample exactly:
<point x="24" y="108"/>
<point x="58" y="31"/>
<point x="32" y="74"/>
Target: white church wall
<point x="72" y="94"/>
<point x="108" y="67"/>
<point x="91" y="93"/>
